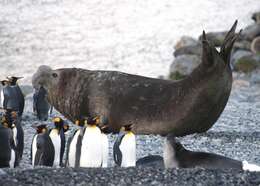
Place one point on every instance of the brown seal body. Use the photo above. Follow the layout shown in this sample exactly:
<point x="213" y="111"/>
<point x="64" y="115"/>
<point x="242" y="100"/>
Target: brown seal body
<point x="153" y="106"/>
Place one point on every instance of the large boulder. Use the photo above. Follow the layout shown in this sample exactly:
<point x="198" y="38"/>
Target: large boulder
<point x="188" y="50"/>
<point x="255" y="45"/>
<point x="239" y="54"/>
<point x="215" y="38"/>
<point x="242" y="45"/>
<point x="186" y="41"/>
<point x="247" y="63"/>
<point x="183" y="65"/>
<point x="250" y="32"/>
<point x="255" y="78"/>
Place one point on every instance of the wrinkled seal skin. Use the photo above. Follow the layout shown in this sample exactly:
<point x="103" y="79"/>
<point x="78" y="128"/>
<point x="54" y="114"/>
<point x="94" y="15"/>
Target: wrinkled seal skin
<point x="153" y="106"/>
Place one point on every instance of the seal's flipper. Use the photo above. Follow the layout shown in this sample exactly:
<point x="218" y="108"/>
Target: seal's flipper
<point x="227" y="45"/>
<point x="207" y="57"/>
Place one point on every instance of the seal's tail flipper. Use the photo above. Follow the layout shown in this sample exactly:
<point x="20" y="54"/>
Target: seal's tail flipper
<point x="227" y="45"/>
<point x="207" y="56"/>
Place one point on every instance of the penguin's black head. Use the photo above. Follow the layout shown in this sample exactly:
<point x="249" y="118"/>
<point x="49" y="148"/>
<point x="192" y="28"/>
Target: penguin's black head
<point x="6" y="125"/>
<point x="41" y="129"/>
<point x="79" y="122"/>
<point x="13" y="79"/>
<point x="58" y="122"/>
<point x="106" y="129"/>
<point x="4" y="82"/>
<point x="92" y="120"/>
<point x="176" y="145"/>
<point x="127" y="128"/>
<point x="66" y="127"/>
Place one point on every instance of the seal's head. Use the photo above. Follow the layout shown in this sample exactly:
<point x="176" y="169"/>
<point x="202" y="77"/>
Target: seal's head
<point x="45" y="77"/>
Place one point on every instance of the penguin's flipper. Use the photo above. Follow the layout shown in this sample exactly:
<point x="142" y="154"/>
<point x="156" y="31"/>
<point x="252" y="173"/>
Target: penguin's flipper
<point x="78" y="148"/>
<point x="68" y="149"/>
<point x="116" y="150"/>
<point x="63" y="142"/>
<point x="50" y="151"/>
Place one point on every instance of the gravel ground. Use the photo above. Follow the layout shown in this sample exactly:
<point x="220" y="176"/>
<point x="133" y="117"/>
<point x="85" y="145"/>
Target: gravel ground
<point x="128" y="176"/>
<point x="236" y="134"/>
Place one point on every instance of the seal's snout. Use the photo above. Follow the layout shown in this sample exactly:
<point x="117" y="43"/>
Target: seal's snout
<point x="41" y="76"/>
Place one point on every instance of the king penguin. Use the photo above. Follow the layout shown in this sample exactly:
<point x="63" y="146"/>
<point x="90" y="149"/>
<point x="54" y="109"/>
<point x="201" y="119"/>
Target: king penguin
<point x="124" y="150"/>
<point x="18" y="93"/>
<point x="12" y="119"/>
<point x="91" y="147"/>
<point x="7" y="147"/>
<point x="42" y="149"/>
<point x="57" y="135"/>
<point x="40" y="104"/>
<point x="74" y="146"/>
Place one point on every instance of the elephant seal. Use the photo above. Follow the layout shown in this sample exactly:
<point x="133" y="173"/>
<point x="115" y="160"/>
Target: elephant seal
<point x="176" y="156"/>
<point x="153" y="106"/>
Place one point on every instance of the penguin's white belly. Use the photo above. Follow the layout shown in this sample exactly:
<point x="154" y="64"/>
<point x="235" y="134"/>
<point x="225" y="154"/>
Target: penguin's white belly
<point x="91" y="148"/>
<point x="104" y="150"/>
<point x="12" y="160"/>
<point x="15" y="135"/>
<point x="56" y="140"/>
<point x="128" y="150"/>
<point x="34" y="149"/>
<point x="2" y="98"/>
<point x="73" y="149"/>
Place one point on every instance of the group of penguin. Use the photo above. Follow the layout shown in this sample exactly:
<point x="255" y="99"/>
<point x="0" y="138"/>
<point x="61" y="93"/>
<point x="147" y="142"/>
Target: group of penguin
<point x="11" y="131"/>
<point x="87" y="147"/>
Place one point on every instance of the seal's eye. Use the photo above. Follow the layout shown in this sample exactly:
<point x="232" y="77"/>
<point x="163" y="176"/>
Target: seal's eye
<point x="54" y="75"/>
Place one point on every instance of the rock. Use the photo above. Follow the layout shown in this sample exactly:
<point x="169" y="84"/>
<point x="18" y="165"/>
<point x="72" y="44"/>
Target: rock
<point x="247" y="63"/>
<point x="250" y="32"/>
<point x="242" y="45"/>
<point x="183" y="65"/>
<point x="255" y="78"/>
<point x="256" y="17"/>
<point x="185" y="41"/>
<point x="190" y="50"/>
<point x="240" y="83"/>
<point x="255" y="45"/>
<point x="239" y="54"/>
<point x="216" y="38"/>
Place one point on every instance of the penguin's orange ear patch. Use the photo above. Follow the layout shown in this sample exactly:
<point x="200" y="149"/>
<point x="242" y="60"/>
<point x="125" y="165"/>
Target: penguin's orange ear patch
<point x="56" y="119"/>
<point x="77" y="122"/>
<point x="66" y="127"/>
